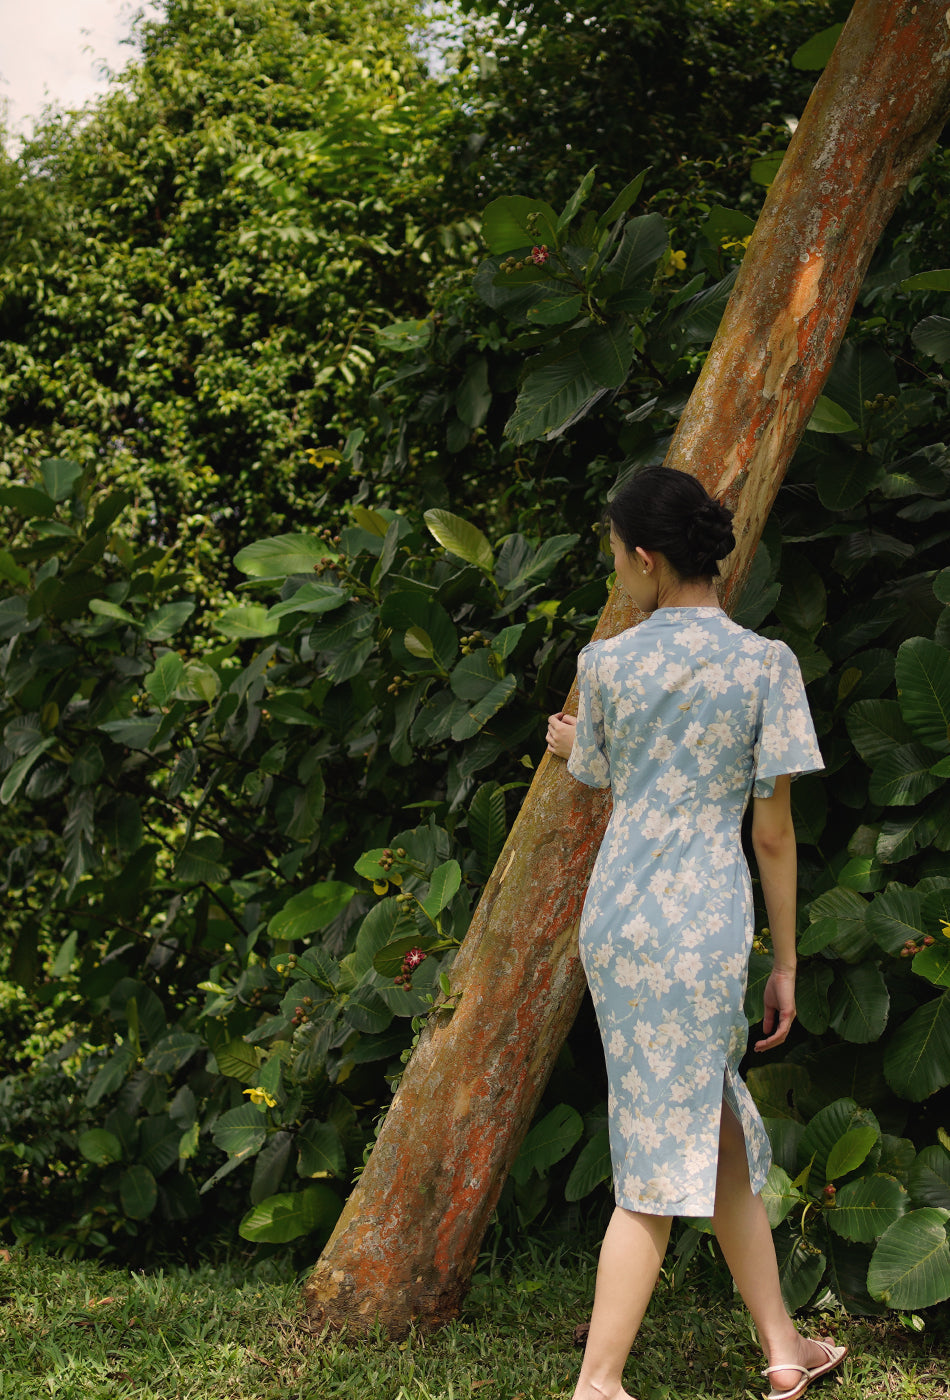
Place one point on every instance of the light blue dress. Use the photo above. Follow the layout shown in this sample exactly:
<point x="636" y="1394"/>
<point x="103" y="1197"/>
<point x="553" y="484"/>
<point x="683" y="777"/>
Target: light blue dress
<point x="683" y="717"/>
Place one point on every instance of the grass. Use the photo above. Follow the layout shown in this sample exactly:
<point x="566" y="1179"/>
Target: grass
<point x="78" y="1332"/>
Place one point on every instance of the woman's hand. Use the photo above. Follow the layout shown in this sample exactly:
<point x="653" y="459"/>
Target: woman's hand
<point x="560" y="735"/>
<point x="779" y="1008"/>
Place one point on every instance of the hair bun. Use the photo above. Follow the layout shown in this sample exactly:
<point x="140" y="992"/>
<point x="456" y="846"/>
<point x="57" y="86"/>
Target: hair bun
<point x="710" y="533"/>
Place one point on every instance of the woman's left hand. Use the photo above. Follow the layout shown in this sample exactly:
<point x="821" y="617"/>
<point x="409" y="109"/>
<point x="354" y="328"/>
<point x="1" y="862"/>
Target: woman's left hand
<point x="779" y="1008"/>
<point x="560" y="735"/>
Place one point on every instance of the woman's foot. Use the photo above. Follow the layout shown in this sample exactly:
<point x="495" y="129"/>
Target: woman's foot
<point x="790" y="1376"/>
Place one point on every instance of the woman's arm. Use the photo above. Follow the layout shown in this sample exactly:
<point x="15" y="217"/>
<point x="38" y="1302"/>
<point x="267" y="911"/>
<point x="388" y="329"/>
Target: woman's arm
<point x="773" y="840"/>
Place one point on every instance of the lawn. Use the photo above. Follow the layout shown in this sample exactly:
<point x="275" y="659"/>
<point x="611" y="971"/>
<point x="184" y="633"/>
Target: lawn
<point x="79" y="1332"/>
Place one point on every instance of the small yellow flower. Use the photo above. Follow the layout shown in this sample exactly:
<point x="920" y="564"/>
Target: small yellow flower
<point x="380" y="886"/>
<point x="945" y="927"/>
<point x="259" y="1096"/>
<point x="678" y="259"/>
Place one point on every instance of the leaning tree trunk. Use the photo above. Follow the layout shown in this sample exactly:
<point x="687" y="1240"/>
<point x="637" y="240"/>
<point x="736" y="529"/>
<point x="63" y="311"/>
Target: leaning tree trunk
<point x="407" y="1242"/>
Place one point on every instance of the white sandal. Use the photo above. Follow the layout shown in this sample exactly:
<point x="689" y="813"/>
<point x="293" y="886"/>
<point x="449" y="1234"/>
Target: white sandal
<point x="834" y="1354"/>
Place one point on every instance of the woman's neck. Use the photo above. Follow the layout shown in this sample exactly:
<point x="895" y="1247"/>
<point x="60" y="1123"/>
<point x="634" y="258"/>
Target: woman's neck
<point x="674" y="592"/>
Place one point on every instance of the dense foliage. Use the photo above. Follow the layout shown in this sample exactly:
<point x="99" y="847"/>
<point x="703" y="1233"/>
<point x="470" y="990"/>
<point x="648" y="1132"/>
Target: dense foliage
<point x="244" y="832"/>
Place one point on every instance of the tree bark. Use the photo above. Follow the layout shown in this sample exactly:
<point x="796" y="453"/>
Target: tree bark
<point x="407" y="1242"/>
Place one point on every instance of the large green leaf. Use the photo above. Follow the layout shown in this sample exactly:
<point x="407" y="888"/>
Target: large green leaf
<point x="240" y="1132"/>
<point x="645" y="240"/>
<point x="319" y="1150"/>
<point x="829" y="417"/>
<point x="816" y="51"/>
<point x="238" y="1060"/>
<point x="876" y="727"/>
<point x="280" y="555"/>
<point x="555" y="393"/>
<point x="862" y="373"/>
<point x="444" y="884"/>
<point x="515" y="221"/>
<point x="902" y="776"/>
<point x="461" y="538"/>
<point x="803" y="603"/>
<point x="917" y="1056"/>
<point x="171" y="1052"/>
<point x="828" y="1127"/>
<point x="607" y="353"/>
<point x="779" y="1195"/>
<point x="310" y="910"/>
<point x="548" y="1141"/>
<point x="910" y="1267"/>
<point x="860" y="1003"/>
<point x="932" y="336"/>
<point x="592" y="1168"/>
<point x="487" y="823"/>
<point x="923" y="685"/>
<point x="19" y="771"/>
<point x="846" y="479"/>
<point x="864" y="1208"/>
<point x="934" y="964"/>
<point x="138" y="1192"/>
<point x="99" y="1146"/>
<point x="851" y="1150"/>
<point x="929" y="1179"/>
<point x="282" y="1218"/>
<point x="800" y="1267"/>
<point x="896" y="917"/>
<point x="163" y="681"/>
<point x="247" y="620"/>
<point x="479" y="712"/>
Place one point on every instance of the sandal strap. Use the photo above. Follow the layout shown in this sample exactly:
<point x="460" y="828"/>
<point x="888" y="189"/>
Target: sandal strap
<point x="785" y="1366"/>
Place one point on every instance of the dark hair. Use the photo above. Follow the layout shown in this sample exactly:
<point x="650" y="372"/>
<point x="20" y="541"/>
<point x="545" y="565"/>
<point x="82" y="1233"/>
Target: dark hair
<point x="669" y="511"/>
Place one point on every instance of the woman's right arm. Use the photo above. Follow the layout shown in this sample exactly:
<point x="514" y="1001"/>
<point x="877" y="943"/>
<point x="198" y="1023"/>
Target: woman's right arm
<point x="773" y="841"/>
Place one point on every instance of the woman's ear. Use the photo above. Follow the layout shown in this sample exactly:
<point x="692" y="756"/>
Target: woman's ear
<point x="647" y="560"/>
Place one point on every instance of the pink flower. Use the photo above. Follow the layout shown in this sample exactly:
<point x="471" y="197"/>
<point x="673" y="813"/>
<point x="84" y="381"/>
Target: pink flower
<point x="413" y="958"/>
<point x="539" y="256"/>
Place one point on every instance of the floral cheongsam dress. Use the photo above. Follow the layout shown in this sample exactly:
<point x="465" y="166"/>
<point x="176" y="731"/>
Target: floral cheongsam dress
<point x="683" y="717"/>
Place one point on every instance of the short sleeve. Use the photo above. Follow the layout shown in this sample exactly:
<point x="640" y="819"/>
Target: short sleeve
<point x="589" y="762"/>
<point x="786" y="740"/>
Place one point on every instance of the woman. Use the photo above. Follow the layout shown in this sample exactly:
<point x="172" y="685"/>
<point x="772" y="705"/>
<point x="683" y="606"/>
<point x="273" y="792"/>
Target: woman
<point x="685" y="717"/>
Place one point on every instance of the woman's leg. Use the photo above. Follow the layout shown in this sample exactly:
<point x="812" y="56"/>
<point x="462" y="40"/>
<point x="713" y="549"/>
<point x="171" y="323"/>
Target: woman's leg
<point x="630" y="1259"/>
<point x="745" y="1237"/>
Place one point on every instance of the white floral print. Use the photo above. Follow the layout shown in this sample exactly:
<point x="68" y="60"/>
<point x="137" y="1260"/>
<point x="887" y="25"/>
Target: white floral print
<point x="684" y="717"/>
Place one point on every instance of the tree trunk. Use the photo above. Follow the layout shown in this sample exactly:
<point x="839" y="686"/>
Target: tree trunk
<point x="408" y="1239"/>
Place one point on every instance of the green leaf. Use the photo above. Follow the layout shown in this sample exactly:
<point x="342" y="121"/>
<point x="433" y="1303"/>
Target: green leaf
<point x="200" y="862"/>
<point x="929" y="1178"/>
<point x="388" y="960"/>
<point x="876" y="726"/>
<point x="556" y="392"/>
<point x="607" y="353"/>
<point x="280" y="555"/>
<point x="937" y="280"/>
<point x="547" y="1142"/>
<point x="865" y="1208"/>
<point x="26" y="501"/>
<point x="779" y="1195"/>
<point x="310" y="598"/>
<point x="577" y="199"/>
<point x="238" y="1060"/>
<point x="816" y="51"/>
<point x="282" y="1218"/>
<point x="60" y="476"/>
<point x="19" y="771"/>
<point x="240" y="1132"/>
<point x="860" y="1003"/>
<point x="850" y="1151"/>
<point x="162" y="683"/>
<point x="932" y="336"/>
<point x="827" y="1128"/>
<point x="800" y="1268"/>
<point x="829" y="417"/>
<point x="917" y="1057"/>
<point x="171" y="1052"/>
<point x="132" y="733"/>
<point x="480" y="711"/>
<point x="487" y="824"/>
<point x="592" y="1168"/>
<point x="845" y="481"/>
<point x="138" y="1192"/>
<point x="923" y="687"/>
<point x="903" y="776"/>
<point x="99" y="1146"/>
<point x="474" y="396"/>
<point x="461" y="538"/>
<point x="270" y="1165"/>
<point x="910" y="1267"/>
<point x="310" y="910"/>
<point x="166" y="620"/>
<point x="934" y="964"/>
<point x="645" y="240"/>
<point x="320" y="1151"/>
<point x="895" y="917"/>
<point x="245" y="620"/>
<point x="444" y="884"/>
<point x="505" y="224"/>
<point x="623" y="202"/>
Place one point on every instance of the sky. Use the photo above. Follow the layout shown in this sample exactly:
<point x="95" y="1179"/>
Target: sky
<point x="54" y="50"/>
